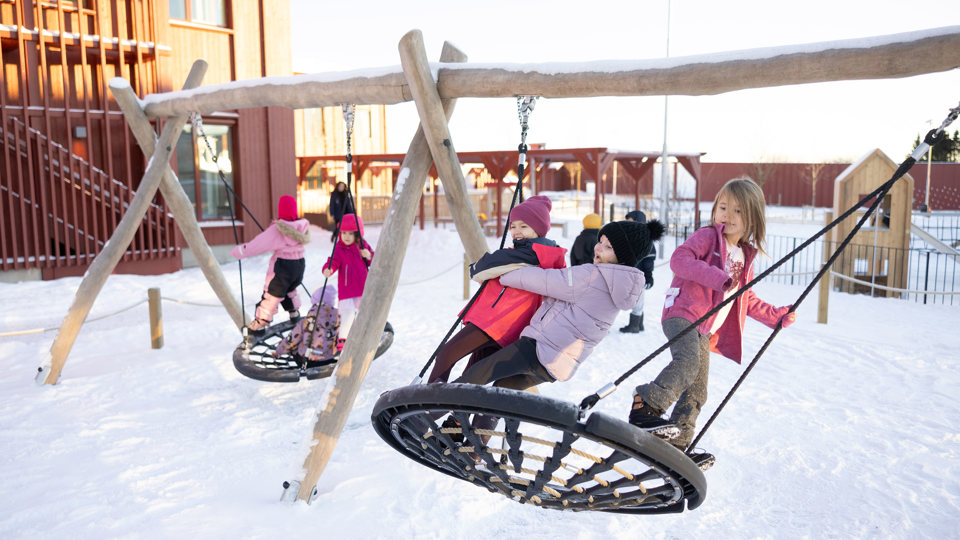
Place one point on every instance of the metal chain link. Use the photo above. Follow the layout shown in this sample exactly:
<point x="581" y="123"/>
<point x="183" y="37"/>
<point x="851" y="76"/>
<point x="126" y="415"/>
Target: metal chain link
<point x="348" y="114"/>
<point x="525" y="105"/>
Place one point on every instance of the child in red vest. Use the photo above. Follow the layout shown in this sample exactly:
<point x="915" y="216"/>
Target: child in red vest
<point x="499" y="313"/>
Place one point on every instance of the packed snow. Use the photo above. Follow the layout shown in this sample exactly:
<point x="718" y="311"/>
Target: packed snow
<point x="843" y="430"/>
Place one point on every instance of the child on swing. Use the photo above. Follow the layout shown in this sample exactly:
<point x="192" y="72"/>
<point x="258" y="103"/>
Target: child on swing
<point x="350" y="261"/>
<point x="286" y="238"/>
<point x="499" y="313"/>
<point x="315" y="336"/>
<point x="708" y="268"/>
<point x="580" y="304"/>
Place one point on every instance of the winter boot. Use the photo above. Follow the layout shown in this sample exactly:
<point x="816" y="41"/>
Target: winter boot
<point x="650" y="420"/>
<point x="703" y="460"/>
<point x="635" y="325"/>
<point x="340" y="343"/>
<point x="294" y="315"/>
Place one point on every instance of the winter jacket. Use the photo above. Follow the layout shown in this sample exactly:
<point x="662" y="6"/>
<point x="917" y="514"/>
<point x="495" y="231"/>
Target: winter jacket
<point x="284" y="238"/>
<point x="340" y="204"/>
<point x="500" y="311"/>
<point x="350" y="267"/>
<point x="582" y="250"/>
<point x="314" y="337"/>
<point x="698" y="283"/>
<point x="579" y="305"/>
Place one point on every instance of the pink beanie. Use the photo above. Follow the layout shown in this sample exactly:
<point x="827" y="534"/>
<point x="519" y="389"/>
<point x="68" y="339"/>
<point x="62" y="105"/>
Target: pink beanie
<point x="287" y="208"/>
<point x="535" y="212"/>
<point x="350" y="222"/>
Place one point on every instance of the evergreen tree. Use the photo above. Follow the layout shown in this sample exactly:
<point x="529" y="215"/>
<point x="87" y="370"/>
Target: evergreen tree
<point x="948" y="149"/>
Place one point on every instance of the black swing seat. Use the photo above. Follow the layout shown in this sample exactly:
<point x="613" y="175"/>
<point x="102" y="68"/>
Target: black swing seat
<point x="536" y="450"/>
<point x="258" y="362"/>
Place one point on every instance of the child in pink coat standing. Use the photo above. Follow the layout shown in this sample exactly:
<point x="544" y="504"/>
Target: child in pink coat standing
<point x="350" y="261"/>
<point x="286" y="238"/>
<point x="708" y="268"/>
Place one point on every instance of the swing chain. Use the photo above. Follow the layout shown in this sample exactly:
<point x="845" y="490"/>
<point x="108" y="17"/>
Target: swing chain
<point x="525" y="105"/>
<point x="197" y="122"/>
<point x="348" y="115"/>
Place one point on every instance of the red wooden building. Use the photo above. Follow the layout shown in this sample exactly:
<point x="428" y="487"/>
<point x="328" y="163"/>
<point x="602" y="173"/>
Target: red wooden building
<point x="68" y="163"/>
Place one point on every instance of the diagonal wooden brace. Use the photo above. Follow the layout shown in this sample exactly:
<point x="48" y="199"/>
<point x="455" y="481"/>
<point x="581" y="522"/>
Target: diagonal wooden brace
<point x="105" y="261"/>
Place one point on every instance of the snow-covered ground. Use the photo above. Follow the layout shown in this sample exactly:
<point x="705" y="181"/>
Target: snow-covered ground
<point x="844" y="430"/>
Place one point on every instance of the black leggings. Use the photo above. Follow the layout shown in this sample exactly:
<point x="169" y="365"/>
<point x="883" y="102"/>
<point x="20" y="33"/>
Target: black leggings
<point x="515" y="366"/>
<point x="470" y="339"/>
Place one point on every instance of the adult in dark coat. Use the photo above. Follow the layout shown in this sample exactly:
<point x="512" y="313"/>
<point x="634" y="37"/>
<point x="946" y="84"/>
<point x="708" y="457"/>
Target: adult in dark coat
<point x="340" y="203"/>
<point x="645" y="265"/>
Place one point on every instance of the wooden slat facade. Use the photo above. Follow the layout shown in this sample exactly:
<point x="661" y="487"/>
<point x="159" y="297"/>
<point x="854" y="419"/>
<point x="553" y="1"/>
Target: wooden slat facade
<point x="68" y="162"/>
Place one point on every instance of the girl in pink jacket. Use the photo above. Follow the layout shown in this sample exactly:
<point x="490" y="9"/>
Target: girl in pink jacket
<point x="286" y="238"/>
<point x="351" y="261"/>
<point x="708" y="268"/>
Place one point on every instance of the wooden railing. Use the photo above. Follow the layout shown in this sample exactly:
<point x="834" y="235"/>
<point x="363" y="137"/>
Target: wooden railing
<point x="58" y="210"/>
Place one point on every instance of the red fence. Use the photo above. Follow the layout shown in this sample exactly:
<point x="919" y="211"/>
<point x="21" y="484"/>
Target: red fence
<point x="790" y="184"/>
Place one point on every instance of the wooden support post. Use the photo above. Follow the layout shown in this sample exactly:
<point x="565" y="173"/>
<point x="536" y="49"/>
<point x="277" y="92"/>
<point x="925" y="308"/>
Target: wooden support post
<point x="826" y="283"/>
<point x="113" y="250"/>
<point x="413" y="58"/>
<point x="156" y="318"/>
<point x="466" y="277"/>
<point x="378" y="295"/>
<point x="177" y="201"/>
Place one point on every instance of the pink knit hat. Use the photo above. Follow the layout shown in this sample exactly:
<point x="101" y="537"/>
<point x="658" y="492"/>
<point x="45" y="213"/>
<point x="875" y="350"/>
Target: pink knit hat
<point x="287" y="208"/>
<point x="535" y="212"/>
<point x="350" y="223"/>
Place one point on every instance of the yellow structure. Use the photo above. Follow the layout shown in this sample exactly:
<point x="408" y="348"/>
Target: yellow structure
<point x="878" y="253"/>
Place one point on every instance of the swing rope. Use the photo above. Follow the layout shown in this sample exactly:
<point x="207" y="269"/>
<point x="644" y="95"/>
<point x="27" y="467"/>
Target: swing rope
<point x="197" y="121"/>
<point x="933" y="137"/>
<point x="525" y="105"/>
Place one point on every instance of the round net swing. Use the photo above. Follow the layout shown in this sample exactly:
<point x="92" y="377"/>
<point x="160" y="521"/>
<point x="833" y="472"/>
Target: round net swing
<point x="258" y="360"/>
<point x="540" y="451"/>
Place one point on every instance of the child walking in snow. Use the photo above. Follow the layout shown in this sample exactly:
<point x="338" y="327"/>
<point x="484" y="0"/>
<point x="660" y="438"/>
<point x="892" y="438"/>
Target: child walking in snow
<point x="315" y="336"/>
<point x="579" y="305"/>
<point x="708" y="268"/>
<point x="286" y="238"/>
<point x="350" y="261"/>
<point x="499" y="313"/>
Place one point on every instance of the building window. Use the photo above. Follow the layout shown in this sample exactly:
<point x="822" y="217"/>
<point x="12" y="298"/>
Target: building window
<point x="212" y="12"/>
<point x="200" y="175"/>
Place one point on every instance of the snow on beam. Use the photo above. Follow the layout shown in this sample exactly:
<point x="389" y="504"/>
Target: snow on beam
<point x="882" y="57"/>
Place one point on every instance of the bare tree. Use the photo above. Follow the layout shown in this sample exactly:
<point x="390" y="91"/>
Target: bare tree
<point x="812" y="176"/>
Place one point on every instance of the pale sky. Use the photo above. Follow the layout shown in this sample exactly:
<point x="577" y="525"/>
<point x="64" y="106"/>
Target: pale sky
<point x="837" y="121"/>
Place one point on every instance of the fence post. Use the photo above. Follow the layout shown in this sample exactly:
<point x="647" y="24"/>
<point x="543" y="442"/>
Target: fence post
<point x="827" y="281"/>
<point x="156" y="318"/>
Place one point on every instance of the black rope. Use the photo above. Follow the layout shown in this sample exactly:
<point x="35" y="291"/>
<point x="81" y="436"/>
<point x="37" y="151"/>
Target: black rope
<point x="932" y="137"/>
<point x="198" y="124"/>
<point x="524" y="113"/>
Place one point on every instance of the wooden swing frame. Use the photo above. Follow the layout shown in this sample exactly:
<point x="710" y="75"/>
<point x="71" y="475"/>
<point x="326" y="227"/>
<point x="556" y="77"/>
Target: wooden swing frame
<point x="435" y="89"/>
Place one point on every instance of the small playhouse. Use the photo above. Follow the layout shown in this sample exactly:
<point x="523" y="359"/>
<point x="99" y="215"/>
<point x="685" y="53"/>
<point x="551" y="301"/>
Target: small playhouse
<point x="877" y="258"/>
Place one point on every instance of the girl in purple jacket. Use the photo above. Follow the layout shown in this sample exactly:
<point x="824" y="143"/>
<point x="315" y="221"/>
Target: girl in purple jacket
<point x="351" y="261"/>
<point x="285" y="237"/>
<point x="708" y="268"/>
<point x="579" y="305"/>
